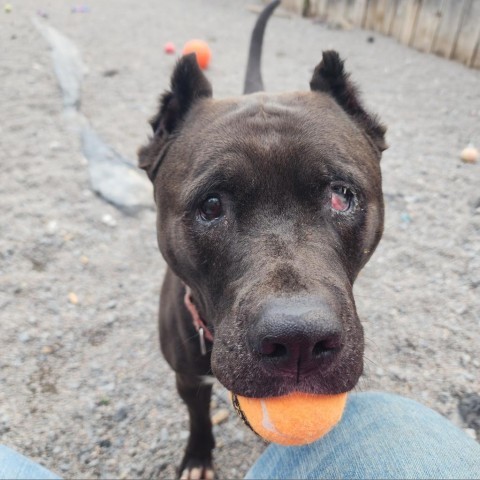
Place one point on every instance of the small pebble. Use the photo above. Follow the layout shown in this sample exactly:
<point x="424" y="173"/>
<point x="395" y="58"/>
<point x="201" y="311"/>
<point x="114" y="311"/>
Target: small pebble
<point x="164" y="435"/>
<point x="471" y="433"/>
<point x="107" y="219"/>
<point x="108" y="387"/>
<point x="52" y="227"/>
<point x="111" y="320"/>
<point x="24" y="337"/>
<point x="239" y="436"/>
<point x="405" y="218"/>
<point x="469" y="154"/>
<point x="121" y="414"/>
<point x="73" y="298"/>
<point x="105" y="443"/>
<point x="111" y="304"/>
<point x="84" y="259"/>
<point x="110" y="73"/>
<point x="220" y="416"/>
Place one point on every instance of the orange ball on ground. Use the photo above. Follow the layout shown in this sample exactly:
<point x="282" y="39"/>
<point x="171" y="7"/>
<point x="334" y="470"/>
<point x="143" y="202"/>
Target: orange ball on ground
<point x="201" y="50"/>
<point x="295" y="419"/>
<point x="169" y="47"/>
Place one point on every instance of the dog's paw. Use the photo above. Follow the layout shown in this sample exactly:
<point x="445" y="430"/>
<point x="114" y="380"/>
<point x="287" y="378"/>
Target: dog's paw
<point x="197" y="469"/>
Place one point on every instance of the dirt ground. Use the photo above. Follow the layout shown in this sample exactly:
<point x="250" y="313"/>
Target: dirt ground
<point x="83" y="387"/>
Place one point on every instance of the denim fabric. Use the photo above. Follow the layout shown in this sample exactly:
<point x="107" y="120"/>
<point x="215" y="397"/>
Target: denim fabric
<point x="380" y="436"/>
<point x="16" y="466"/>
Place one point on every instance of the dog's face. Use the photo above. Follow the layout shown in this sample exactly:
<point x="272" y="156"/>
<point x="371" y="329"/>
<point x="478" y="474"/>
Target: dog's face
<point x="268" y="207"/>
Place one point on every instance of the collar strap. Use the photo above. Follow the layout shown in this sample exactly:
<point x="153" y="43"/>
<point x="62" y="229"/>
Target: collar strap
<point x="198" y="323"/>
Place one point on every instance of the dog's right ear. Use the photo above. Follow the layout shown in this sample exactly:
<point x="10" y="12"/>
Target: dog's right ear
<point x="188" y="85"/>
<point x="330" y="77"/>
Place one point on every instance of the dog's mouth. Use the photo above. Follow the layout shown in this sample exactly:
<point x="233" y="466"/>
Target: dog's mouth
<point x="326" y="367"/>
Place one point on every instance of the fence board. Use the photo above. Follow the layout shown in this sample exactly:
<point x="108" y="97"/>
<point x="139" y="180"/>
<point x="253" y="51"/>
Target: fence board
<point x="350" y="12"/>
<point x="399" y="20"/>
<point x="391" y="8"/>
<point x="369" y="14"/>
<point x="319" y="8"/>
<point x="360" y="11"/>
<point x="411" y="16"/>
<point x="464" y="49"/>
<point x="293" y="5"/>
<point x="449" y="28"/>
<point x="428" y="22"/>
<point x="476" y="59"/>
<point x="336" y="10"/>
<point x="380" y="13"/>
<point x="374" y="16"/>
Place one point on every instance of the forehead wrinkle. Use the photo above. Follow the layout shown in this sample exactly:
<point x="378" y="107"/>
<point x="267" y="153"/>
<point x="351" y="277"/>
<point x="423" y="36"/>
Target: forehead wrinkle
<point x="264" y="106"/>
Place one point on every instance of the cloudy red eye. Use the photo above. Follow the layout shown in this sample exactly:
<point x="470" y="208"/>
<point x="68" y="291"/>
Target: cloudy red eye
<point x="341" y="199"/>
<point x="211" y="209"/>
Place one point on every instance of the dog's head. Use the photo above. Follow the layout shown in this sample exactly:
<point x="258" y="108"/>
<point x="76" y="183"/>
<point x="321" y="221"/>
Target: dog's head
<point x="268" y="207"/>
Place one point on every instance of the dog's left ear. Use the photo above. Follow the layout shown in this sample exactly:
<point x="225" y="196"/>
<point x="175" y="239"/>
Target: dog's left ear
<point x="330" y="77"/>
<point x="187" y="86"/>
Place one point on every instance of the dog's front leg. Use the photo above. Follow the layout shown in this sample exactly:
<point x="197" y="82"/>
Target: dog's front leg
<point x="197" y="461"/>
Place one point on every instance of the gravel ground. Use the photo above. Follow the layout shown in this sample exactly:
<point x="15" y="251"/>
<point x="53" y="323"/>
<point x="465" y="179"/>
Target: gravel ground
<point x="83" y="387"/>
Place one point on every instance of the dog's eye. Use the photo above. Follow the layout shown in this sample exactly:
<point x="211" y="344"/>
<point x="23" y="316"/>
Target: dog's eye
<point x="341" y="198"/>
<point x="211" y="209"/>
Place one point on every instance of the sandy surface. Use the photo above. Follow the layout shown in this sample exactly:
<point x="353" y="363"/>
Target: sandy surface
<point x="83" y="387"/>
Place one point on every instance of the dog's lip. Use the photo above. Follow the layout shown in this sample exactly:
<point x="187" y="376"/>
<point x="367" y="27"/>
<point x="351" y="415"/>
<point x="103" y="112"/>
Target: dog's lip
<point x="291" y="393"/>
<point x="287" y="384"/>
<point x="288" y="390"/>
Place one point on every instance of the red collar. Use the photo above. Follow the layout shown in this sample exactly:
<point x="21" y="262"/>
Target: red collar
<point x="198" y="323"/>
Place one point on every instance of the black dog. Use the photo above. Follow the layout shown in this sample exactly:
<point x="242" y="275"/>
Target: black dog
<point x="268" y="207"/>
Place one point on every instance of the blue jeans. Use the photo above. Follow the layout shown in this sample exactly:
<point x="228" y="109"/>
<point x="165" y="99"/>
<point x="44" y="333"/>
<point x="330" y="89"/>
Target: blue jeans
<point x="16" y="466"/>
<point x="380" y="436"/>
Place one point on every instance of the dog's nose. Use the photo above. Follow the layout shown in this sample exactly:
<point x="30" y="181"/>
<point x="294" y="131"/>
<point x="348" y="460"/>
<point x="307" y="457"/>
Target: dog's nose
<point x="296" y="336"/>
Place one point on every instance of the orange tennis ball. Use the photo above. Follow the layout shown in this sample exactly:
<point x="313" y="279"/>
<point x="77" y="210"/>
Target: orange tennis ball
<point x="295" y="419"/>
<point x="201" y="50"/>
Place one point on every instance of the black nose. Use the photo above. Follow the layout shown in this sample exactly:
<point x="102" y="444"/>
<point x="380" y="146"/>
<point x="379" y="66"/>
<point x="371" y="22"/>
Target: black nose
<point x="296" y="336"/>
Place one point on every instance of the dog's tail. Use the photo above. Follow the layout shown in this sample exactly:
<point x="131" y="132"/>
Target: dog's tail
<point x="253" y="77"/>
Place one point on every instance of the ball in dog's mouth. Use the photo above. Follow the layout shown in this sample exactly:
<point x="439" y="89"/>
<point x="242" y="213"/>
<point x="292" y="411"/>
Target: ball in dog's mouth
<point x="294" y="419"/>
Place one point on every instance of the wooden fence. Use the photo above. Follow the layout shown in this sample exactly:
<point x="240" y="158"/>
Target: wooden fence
<point x="449" y="28"/>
